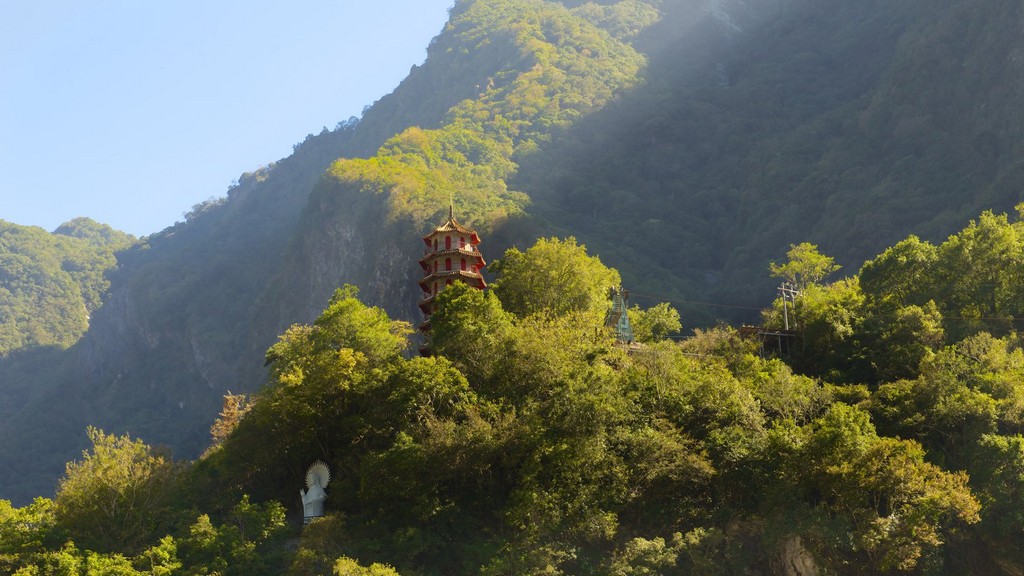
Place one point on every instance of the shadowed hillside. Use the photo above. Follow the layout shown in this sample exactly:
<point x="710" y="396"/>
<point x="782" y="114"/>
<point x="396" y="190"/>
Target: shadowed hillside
<point x="845" y="124"/>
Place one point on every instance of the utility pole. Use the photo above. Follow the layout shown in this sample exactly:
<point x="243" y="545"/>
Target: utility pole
<point x="789" y="294"/>
<point x="785" y="306"/>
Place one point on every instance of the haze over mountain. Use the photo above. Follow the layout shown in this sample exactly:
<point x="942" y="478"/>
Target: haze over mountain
<point x="686" y="142"/>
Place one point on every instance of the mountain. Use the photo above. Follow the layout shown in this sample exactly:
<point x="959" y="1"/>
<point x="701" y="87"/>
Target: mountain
<point x="844" y="124"/>
<point x="50" y="286"/>
<point x="687" y="142"/>
<point x="51" y="283"/>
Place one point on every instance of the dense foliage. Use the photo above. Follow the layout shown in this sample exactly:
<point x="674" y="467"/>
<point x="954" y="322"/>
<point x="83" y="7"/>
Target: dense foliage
<point x="50" y="284"/>
<point x="531" y="443"/>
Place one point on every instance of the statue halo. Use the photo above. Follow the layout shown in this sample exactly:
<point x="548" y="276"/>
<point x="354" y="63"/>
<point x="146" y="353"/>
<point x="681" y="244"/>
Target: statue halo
<point x="318" y="474"/>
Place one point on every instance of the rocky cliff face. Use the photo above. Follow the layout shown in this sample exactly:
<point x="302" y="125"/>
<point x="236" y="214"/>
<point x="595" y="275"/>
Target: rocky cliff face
<point x="346" y="240"/>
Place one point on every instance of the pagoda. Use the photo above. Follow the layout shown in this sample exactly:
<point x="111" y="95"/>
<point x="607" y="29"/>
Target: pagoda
<point x="617" y="317"/>
<point x="451" y="256"/>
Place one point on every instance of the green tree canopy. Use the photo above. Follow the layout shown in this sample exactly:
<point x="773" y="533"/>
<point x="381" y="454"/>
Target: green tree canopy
<point x="554" y="277"/>
<point x="349" y="323"/>
<point x="654" y="323"/>
<point x="118" y="496"/>
<point x="805" y="266"/>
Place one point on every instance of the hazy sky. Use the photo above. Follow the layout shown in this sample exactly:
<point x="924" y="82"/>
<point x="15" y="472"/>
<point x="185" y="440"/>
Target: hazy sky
<point x="131" y="111"/>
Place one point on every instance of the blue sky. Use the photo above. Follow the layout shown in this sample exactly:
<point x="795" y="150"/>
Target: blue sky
<point x="131" y="111"/>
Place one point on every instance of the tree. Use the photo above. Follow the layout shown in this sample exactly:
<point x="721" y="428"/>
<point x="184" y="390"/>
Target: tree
<point x="345" y="566"/>
<point x="298" y="417"/>
<point x="829" y="317"/>
<point x="696" y="552"/>
<point x="895" y="339"/>
<point x="23" y="532"/>
<point x="978" y="275"/>
<point x="471" y="329"/>
<point x="654" y="323"/>
<point x="948" y="397"/>
<point x="805" y="266"/>
<point x="785" y="395"/>
<point x="888" y="507"/>
<point x="900" y="272"/>
<point x="161" y="559"/>
<point x="323" y="392"/>
<point x="555" y="277"/>
<point x="247" y="543"/>
<point x="348" y="323"/>
<point x="235" y="407"/>
<point x="997" y="471"/>
<point x="117" y="497"/>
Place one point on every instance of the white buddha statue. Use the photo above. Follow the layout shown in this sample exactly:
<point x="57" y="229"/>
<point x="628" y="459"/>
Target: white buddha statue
<point x="317" y="478"/>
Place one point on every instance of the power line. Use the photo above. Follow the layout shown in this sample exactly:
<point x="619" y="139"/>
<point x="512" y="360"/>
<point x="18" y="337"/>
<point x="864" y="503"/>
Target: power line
<point x="758" y="309"/>
<point x="679" y="301"/>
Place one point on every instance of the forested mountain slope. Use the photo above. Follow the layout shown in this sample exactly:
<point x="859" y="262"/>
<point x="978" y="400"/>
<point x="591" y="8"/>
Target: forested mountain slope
<point x="688" y="142"/>
<point x="50" y="286"/>
<point x="51" y="283"/>
<point x="848" y="124"/>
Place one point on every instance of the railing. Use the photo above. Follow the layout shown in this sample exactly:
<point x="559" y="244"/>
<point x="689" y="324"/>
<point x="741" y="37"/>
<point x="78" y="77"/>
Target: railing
<point x="468" y="248"/>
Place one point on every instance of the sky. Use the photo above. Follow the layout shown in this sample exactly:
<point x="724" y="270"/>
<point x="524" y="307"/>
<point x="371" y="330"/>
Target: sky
<point x="132" y="111"/>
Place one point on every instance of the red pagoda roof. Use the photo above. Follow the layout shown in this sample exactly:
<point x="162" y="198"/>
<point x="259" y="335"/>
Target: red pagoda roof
<point x="445" y="274"/>
<point x="452" y="225"/>
<point x="430" y="255"/>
